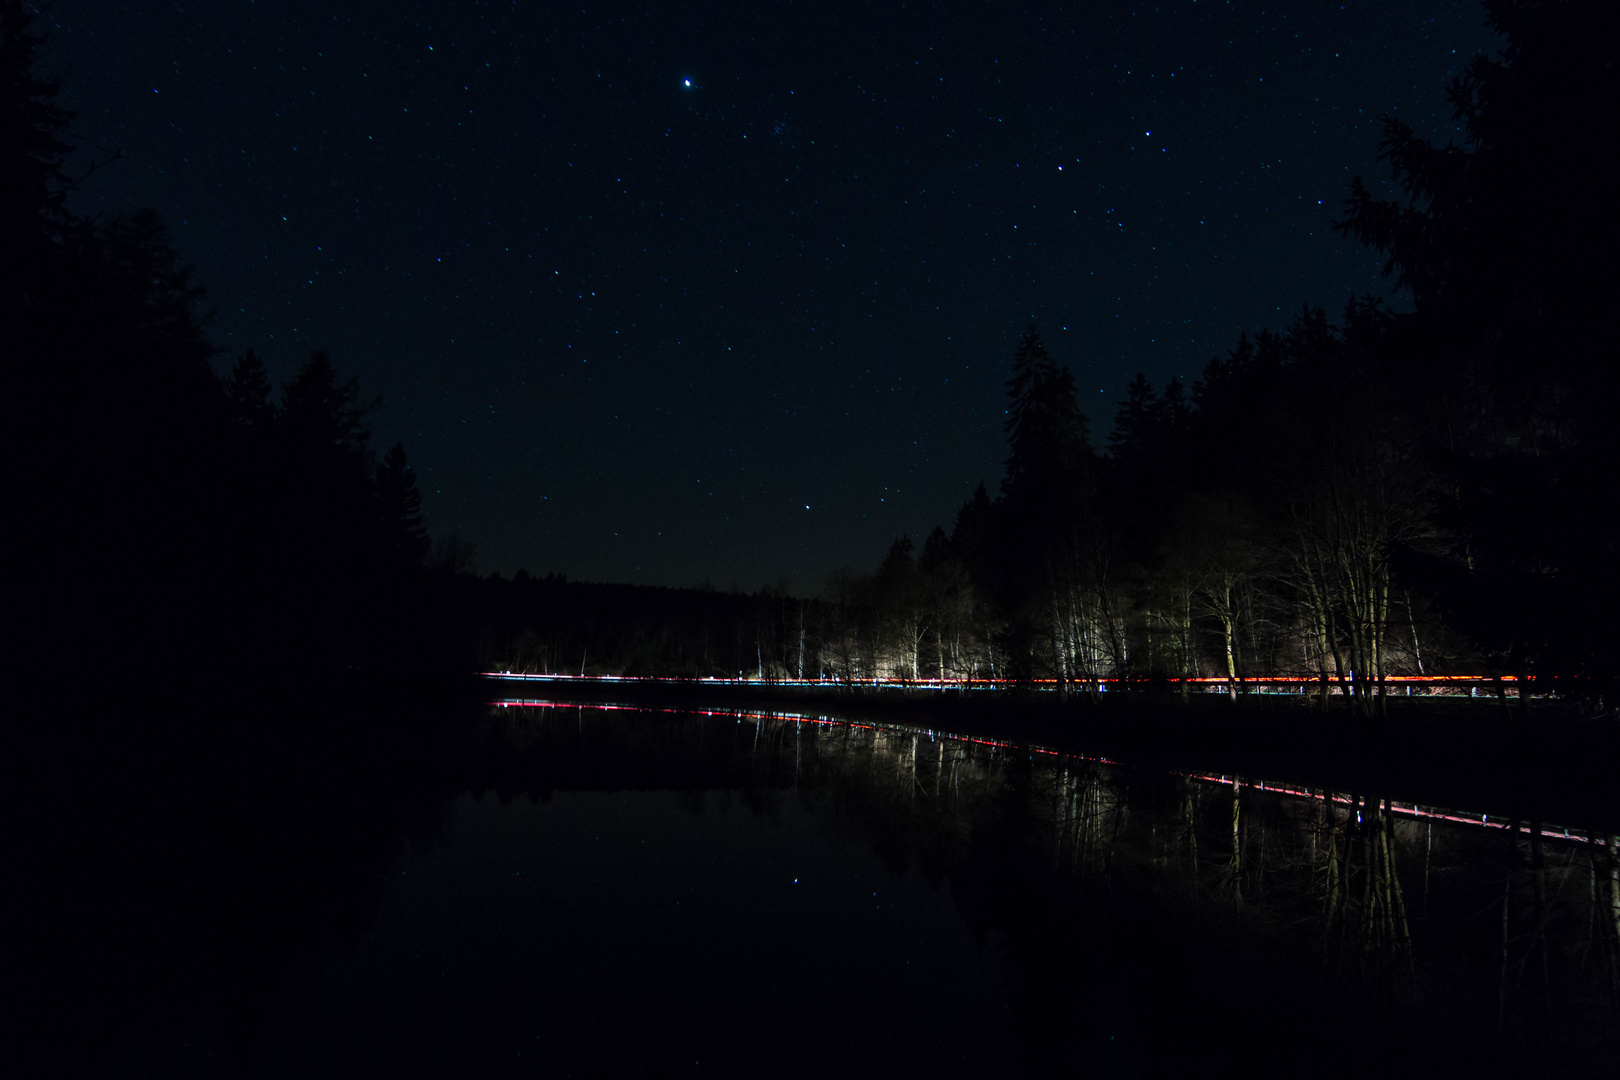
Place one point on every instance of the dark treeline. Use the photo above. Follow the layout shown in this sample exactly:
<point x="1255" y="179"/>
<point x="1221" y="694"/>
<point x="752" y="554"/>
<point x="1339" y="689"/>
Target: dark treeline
<point x="1343" y="498"/>
<point x="177" y="518"/>
<point x="226" y="627"/>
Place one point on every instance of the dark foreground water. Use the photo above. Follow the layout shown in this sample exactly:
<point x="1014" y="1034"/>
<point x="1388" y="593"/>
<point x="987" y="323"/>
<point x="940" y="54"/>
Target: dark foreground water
<point x="676" y="931"/>
<point x="589" y="891"/>
<point x="775" y="896"/>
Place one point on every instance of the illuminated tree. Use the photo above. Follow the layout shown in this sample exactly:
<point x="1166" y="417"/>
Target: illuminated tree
<point x="902" y="610"/>
<point x="844" y="654"/>
<point x="948" y="598"/>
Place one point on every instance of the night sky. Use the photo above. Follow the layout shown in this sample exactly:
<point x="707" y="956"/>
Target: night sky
<point x="731" y="293"/>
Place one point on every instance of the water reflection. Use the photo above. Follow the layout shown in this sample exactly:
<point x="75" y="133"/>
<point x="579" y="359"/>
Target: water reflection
<point x="1140" y="913"/>
<point x="364" y="890"/>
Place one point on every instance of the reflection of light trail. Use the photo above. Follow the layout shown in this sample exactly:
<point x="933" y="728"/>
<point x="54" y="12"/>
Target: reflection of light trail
<point x="1298" y="685"/>
<point x="798" y="718"/>
<point x="1410" y="809"/>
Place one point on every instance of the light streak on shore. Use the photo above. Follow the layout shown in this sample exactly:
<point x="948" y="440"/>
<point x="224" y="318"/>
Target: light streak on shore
<point x="1295" y="685"/>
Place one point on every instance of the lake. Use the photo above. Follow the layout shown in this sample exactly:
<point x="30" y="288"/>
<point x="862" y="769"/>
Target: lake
<point x="711" y="893"/>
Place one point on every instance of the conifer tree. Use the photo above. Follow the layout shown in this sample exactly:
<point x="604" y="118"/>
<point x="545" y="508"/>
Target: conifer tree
<point x="399" y="510"/>
<point x="1045" y="564"/>
<point x="320" y="411"/>
<point x="33" y="129"/>
<point x="1504" y="244"/>
<point x="247" y="392"/>
<point x="1133" y="422"/>
<point x="1047" y="434"/>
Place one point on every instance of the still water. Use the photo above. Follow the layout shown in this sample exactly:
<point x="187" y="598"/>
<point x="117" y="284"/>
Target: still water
<point x="675" y="931"/>
<point x="766" y="895"/>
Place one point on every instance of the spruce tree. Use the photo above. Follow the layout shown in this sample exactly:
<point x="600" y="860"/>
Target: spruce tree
<point x="399" y="511"/>
<point x="247" y="392"/>
<point x="1134" y="420"/>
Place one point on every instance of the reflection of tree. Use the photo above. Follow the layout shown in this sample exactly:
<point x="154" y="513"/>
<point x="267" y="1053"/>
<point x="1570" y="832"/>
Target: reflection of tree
<point x="1365" y="927"/>
<point x="1055" y="854"/>
<point x="1086" y="818"/>
<point x="949" y="805"/>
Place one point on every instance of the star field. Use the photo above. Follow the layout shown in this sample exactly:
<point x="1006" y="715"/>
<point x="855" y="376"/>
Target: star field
<point x="730" y="292"/>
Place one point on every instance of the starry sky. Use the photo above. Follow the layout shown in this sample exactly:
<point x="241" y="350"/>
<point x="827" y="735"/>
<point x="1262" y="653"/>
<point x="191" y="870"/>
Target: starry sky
<point x="724" y="292"/>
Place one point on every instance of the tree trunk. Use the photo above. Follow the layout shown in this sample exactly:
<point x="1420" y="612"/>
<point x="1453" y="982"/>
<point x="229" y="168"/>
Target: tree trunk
<point x="1411" y="622"/>
<point x="1231" y="658"/>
